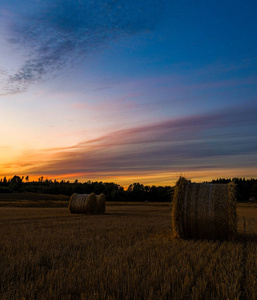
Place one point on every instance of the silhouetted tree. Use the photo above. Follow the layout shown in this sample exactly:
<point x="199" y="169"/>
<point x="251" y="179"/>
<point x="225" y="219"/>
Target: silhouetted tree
<point x="16" y="183"/>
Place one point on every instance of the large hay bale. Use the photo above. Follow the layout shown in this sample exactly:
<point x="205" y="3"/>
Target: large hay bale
<point x="204" y="211"/>
<point x="100" y="203"/>
<point x="83" y="204"/>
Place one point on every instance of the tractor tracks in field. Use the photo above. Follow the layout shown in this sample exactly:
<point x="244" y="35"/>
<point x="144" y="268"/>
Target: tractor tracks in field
<point x="203" y="267"/>
<point x="243" y="265"/>
<point x="243" y="280"/>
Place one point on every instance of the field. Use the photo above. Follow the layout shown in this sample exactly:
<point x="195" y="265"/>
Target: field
<point x="128" y="253"/>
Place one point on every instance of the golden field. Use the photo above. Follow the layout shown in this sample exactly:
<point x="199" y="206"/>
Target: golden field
<point x="128" y="253"/>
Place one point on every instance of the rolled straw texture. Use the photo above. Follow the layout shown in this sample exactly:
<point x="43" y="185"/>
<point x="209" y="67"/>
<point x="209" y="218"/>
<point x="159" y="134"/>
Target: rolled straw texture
<point x="204" y="211"/>
<point x="83" y="204"/>
<point x="100" y="203"/>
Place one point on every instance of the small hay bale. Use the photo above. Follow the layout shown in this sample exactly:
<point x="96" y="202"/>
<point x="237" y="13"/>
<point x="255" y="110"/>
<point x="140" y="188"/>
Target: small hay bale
<point x="91" y="204"/>
<point x="204" y="211"/>
<point x="76" y="203"/>
<point x="100" y="204"/>
<point x="83" y="204"/>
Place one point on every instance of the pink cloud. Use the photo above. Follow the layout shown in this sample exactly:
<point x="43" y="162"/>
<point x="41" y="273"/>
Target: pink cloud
<point x="199" y="142"/>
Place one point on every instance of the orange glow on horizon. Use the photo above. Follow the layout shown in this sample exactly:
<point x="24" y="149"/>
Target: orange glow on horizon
<point x="157" y="179"/>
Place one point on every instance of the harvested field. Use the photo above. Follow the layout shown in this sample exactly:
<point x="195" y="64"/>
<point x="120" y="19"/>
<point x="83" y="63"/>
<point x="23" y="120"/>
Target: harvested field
<point x="33" y="200"/>
<point x="127" y="253"/>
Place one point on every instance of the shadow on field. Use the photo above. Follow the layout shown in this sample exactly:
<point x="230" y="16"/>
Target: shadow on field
<point x="114" y="214"/>
<point x="247" y="238"/>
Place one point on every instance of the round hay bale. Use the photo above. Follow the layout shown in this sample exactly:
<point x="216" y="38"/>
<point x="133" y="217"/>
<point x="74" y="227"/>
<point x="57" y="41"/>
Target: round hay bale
<point x="90" y="204"/>
<point x="100" y="203"/>
<point x="83" y="204"/>
<point x="204" y="211"/>
<point x="76" y="203"/>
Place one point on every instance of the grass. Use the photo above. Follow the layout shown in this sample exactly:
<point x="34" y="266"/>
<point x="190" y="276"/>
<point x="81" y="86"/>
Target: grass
<point x="32" y="200"/>
<point x="128" y="253"/>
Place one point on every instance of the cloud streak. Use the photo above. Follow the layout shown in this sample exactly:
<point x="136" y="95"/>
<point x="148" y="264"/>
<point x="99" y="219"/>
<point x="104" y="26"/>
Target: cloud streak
<point x="59" y="33"/>
<point x="225" y="139"/>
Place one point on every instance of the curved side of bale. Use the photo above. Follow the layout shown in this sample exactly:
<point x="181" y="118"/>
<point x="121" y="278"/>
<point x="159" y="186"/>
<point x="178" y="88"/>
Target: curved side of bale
<point x="101" y="203"/>
<point x="70" y="208"/>
<point x="233" y="218"/>
<point x="90" y="204"/>
<point x="178" y="207"/>
<point x="204" y="211"/>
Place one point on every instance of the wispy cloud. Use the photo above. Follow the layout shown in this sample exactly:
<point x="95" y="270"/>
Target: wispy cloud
<point x="190" y="143"/>
<point x="125" y="103"/>
<point x="58" y="33"/>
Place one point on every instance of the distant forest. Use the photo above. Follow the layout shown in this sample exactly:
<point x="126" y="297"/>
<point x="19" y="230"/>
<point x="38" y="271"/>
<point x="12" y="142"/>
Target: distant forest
<point x="136" y="192"/>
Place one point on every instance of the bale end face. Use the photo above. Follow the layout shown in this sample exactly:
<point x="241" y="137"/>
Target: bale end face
<point x="83" y="204"/>
<point x="101" y="203"/>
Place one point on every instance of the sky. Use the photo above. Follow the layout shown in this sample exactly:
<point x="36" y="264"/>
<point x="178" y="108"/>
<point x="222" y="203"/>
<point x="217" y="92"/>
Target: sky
<point x="128" y="91"/>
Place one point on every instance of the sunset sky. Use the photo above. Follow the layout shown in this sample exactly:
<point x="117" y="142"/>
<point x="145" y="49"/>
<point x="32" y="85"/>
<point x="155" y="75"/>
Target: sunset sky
<point x="128" y="91"/>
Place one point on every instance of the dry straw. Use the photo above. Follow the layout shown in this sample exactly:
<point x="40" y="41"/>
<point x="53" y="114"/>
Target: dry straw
<point x="204" y="211"/>
<point x="100" y="203"/>
<point x="83" y="204"/>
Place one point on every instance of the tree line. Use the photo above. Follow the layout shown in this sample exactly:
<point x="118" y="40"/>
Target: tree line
<point x="246" y="188"/>
<point x="114" y="192"/>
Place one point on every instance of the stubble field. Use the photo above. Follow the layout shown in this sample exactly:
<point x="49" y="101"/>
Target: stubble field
<point x="128" y="253"/>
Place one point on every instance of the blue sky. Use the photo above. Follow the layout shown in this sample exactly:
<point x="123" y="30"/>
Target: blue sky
<point x="128" y="91"/>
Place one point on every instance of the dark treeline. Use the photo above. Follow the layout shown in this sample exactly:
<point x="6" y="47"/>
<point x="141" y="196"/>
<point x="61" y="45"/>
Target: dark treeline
<point x="113" y="192"/>
<point x="246" y="189"/>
